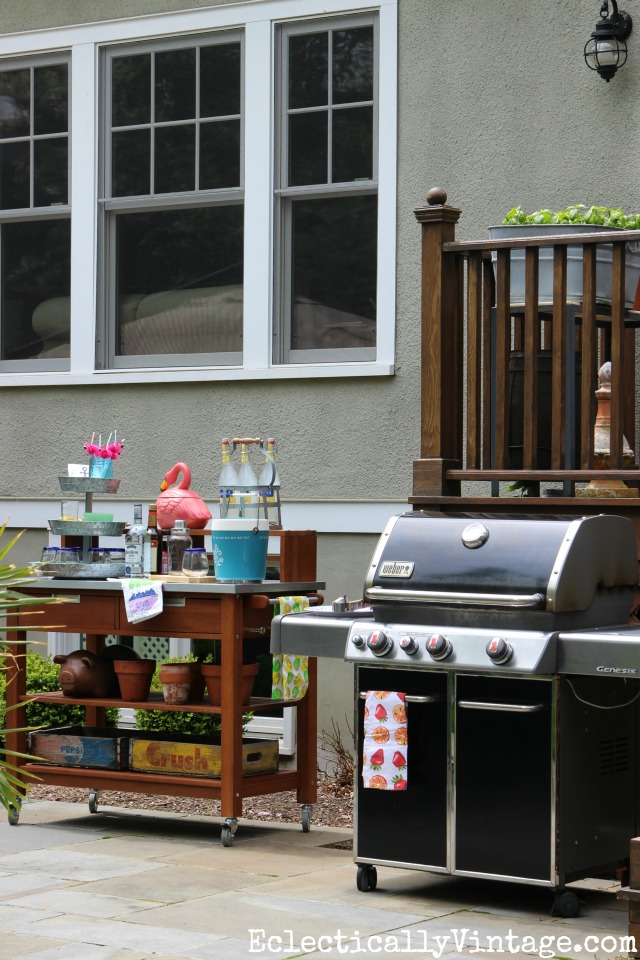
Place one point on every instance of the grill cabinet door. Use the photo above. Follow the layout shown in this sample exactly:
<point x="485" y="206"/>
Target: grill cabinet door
<point x="407" y="826"/>
<point x="503" y="777"/>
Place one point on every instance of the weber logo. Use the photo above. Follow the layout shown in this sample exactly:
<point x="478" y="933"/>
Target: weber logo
<point x="623" y="670"/>
<point x="396" y="568"/>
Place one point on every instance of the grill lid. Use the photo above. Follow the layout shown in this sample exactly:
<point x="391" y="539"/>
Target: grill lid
<point x="550" y="566"/>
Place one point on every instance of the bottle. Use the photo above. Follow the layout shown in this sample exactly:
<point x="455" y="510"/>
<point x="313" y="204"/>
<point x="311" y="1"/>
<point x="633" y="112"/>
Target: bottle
<point x="152" y="538"/>
<point x="248" y="484"/>
<point x="177" y="542"/>
<point x="134" y="545"/>
<point x="270" y="484"/>
<point x="227" y="483"/>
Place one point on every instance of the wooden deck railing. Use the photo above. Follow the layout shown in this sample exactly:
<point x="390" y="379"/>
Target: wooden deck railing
<point x="493" y="364"/>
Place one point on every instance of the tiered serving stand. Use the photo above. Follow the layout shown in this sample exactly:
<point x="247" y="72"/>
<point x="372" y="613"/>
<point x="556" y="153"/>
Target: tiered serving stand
<point x="87" y="530"/>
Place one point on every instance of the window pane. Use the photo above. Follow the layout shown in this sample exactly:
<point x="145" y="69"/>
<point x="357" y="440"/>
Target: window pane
<point x="36" y="271"/>
<point x="220" y="80"/>
<point x="175" y="159"/>
<point x="131" y="93"/>
<point x="179" y="281"/>
<point x="334" y="273"/>
<point x="353" y="65"/>
<point x="131" y="160"/>
<point x="307" y="148"/>
<point x="308" y="70"/>
<point x="220" y="154"/>
<point x="51" y="101"/>
<point x="50" y="171"/>
<point x="352" y="144"/>
<point x="14" y="175"/>
<point x="15" y="99"/>
<point x="175" y="85"/>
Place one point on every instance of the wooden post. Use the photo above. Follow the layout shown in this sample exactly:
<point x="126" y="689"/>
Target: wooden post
<point x="631" y="893"/>
<point x="441" y="385"/>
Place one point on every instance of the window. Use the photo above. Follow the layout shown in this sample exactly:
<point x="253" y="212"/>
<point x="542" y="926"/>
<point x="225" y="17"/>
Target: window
<point x="35" y="225"/>
<point x="173" y="212"/>
<point x="200" y="194"/>
<point x="327" y="192"/>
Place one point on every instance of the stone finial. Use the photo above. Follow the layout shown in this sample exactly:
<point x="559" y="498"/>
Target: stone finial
<point x="436" y="196"/>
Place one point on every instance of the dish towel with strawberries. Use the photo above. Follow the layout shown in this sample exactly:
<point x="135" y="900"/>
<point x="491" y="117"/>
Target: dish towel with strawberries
<point x="384" y="749"/>
<point x="290" y="679"/>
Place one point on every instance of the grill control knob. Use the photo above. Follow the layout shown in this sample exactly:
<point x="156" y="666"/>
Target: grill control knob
<point x="379" y="643"/>
<point x="358" y="641"/>
<point x="408" y="644"/>
<point x="438" y="647"/>
<point x="499" y="650"/>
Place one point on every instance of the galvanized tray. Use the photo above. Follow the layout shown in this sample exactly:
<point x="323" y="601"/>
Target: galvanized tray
<point x="87" y="528"/>
<point x="88" y="485"/>
<point x="82" y="571"/>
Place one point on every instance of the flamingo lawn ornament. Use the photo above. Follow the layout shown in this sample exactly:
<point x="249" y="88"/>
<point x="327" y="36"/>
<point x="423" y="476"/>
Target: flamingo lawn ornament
<point x="180" y="503"/>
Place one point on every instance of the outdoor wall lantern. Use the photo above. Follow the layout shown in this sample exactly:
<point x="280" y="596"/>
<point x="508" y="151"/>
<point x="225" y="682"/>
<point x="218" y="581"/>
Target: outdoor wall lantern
<point x="606" y="49"/>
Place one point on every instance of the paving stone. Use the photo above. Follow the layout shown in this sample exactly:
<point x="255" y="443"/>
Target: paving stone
<point x="84" y="903"/>
<point x="117" y="933"/>
<point x="73" y="866"/>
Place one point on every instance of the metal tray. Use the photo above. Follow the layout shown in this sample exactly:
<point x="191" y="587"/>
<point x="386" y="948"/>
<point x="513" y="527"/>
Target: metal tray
<point x="82" y="571"/>
<point x="88" y="485"/>
<point x="87" y="528"/>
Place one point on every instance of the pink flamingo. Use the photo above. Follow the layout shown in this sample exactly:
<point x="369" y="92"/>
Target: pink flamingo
<point x="180" y="503"/>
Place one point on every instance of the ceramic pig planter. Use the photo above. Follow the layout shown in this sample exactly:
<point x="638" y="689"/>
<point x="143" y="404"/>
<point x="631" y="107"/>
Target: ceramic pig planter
<point x="83" y="674"/>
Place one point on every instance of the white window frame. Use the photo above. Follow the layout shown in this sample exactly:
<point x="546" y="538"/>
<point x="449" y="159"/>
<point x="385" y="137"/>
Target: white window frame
<point x="259" y="20"/>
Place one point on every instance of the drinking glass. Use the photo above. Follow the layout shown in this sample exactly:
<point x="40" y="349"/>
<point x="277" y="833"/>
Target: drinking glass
<point x="49" y="554"/>
<point x="69" y="509"/>
<point x="195" y="562"/>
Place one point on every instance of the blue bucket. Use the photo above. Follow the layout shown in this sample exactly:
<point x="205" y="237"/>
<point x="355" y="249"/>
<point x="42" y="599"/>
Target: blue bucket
<point x="239" y="548"/>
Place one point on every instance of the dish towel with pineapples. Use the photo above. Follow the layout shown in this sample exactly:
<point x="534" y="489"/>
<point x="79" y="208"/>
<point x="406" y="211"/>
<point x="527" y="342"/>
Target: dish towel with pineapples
<point x="290" y="678"/>
<point x="384" y="748"/>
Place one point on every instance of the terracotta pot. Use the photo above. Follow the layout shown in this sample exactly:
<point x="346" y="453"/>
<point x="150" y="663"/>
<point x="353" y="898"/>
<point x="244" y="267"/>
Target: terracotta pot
<point x="213" y="679"/>
<point x="176" y="682"/>
<point x="134" y="678"/>
<point x="197" y="683"/>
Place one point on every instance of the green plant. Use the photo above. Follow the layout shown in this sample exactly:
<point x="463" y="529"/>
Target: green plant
<point x="577" y="213"/>
<point x="11" y="600"/>
<point x="187" y="658"/>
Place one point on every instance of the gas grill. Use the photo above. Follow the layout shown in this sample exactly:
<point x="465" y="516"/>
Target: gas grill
<point x="510" y="643"/>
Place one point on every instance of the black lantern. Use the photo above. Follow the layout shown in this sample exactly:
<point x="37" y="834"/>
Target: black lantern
<point x="606" y="49"/>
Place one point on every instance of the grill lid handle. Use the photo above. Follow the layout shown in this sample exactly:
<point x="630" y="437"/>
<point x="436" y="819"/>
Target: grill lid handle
<point x="456" y="598"/>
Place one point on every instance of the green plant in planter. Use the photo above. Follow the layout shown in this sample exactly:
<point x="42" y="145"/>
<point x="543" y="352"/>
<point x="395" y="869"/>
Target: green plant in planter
<point x="577" y="213"/>
<point x="187" y="658"/>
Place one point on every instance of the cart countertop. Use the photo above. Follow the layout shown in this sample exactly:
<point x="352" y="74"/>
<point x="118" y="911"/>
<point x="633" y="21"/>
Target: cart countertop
<point x="274" y="588"/>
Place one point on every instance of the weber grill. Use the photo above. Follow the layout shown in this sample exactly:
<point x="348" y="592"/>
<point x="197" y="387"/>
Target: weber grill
<point x="508" y="642"/>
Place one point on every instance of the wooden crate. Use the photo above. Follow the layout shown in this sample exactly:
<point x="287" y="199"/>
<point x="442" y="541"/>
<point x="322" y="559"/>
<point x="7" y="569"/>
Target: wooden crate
<point x="101" y="748"/>
<point x="196" y="756"/>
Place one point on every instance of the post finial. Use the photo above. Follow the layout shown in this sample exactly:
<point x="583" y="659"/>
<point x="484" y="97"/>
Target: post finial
<point x="436" y="197"/>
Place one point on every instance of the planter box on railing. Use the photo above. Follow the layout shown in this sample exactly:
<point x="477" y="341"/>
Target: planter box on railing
<point x="519" y="231"/>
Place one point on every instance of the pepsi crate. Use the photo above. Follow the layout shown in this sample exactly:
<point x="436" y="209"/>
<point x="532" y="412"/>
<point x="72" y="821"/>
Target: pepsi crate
<point x="97" y="748"/>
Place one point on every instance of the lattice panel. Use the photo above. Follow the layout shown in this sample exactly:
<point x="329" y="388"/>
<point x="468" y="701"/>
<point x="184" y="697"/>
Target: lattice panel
<point x="149" y="648"/>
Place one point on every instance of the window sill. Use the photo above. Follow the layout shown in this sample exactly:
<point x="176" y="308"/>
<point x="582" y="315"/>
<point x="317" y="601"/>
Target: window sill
<point x="296" y="371"/>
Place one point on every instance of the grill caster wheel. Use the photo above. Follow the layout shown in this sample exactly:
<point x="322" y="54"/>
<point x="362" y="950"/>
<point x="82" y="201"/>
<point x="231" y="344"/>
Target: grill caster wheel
<point x="13" y="812"/>
<point x="228" y="832"/>
<point x="566" y="904"/>
<point x="367" y="878"/>
<point x="93" y="801"/>
<point x="305" y="816"/>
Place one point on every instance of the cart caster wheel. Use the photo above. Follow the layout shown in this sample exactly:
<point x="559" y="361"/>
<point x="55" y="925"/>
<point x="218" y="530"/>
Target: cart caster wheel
<point x="566" y="904"/>
<point x="228" y="832"/>
<point x="13" y="812"/>
<point x="367" y="878"/>
<point x="305" y="816"/>
<point x="93" y="801"/>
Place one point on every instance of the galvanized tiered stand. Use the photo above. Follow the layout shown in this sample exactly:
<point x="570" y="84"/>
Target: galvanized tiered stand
<point x="88" y="530"/>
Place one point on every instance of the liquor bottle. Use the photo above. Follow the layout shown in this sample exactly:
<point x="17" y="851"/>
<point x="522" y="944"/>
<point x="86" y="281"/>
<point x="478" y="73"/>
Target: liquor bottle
<point x="152" y="539"/>
<point x="270" y="484"/>
<point x="134" y="544"/>
<point x="227" y="483"/>
<point x="248" y="484"/>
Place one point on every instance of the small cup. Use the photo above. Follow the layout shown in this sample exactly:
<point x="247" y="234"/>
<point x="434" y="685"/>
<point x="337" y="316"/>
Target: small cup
<point x="69" y="509"/>
<point x="66" y="555"/>
<point x="116" y="555"/>
<point x="195" y="562"/>
<point x="49" y="554"/>
<point x="100" y="555"/>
